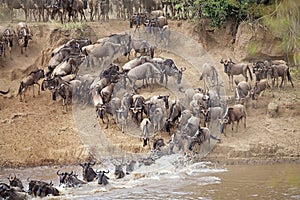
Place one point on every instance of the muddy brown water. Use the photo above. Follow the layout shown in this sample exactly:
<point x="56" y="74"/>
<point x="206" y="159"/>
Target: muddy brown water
<point x="166" y="179"/>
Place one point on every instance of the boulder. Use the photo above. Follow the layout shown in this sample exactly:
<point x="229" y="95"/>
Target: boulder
<point x="272" y="109"/>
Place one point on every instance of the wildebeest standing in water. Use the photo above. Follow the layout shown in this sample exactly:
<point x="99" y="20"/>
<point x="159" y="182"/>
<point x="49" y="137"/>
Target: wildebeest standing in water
<point x="24" y="36"/>
<point x="102" y="178"/>
<point x="30" y="80"/>
<point x="88" y="173"/>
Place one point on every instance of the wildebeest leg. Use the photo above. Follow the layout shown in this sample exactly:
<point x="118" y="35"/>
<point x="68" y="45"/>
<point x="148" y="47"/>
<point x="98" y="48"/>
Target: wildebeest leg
<point x="33" y="90"/>
<point x="237" y="125"/>
<point x="39" y="91"/>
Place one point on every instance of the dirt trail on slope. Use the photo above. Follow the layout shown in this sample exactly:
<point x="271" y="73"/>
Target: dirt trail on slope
<point x="39" y="133"/>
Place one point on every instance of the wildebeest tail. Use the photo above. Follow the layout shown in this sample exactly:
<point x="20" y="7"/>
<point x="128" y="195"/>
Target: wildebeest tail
<point x="248" y="68"/>
<point x="20" y="88"/>
<point x="290" y="77"/>
<point x="54" y="96"/>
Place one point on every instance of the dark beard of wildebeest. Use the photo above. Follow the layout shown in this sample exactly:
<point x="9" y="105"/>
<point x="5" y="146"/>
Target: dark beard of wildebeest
<point x="88" y="173"/>
<point x="175" y="112"/>
<point x="231" y="69"/>
<point x="102" y="178"/>
<point x="30" y="80"/>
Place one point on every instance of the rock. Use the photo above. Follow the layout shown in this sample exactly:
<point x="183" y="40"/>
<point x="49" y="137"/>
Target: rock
<point x="273" y="109"/>
<point x="253" y="42"/>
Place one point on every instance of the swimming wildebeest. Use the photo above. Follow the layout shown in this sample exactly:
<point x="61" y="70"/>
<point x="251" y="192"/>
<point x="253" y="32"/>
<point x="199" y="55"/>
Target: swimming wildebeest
<point x="30" y="80"/>
<point x="88" y="173"/>
<point x="231" y="69"/>
<point x="102" y="178"/>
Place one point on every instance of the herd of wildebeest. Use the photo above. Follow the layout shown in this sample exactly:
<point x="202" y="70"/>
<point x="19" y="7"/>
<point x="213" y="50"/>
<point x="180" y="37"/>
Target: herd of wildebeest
<point x="191" y="120"/>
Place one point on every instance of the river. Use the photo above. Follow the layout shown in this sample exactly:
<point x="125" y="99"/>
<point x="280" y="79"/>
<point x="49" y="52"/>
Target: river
<point x="169" y="178"/>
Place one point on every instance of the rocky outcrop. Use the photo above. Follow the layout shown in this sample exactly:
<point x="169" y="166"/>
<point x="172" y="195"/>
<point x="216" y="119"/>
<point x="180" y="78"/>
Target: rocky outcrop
<point x="254" y="42"/>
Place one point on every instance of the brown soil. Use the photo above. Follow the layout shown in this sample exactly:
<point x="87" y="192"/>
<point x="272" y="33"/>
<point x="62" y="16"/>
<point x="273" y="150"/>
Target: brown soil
<point x="37" y="132"/>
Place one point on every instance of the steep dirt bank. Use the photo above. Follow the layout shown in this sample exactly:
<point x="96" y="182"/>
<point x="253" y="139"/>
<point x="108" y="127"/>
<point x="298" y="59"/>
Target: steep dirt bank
<point x="38" y="133"/>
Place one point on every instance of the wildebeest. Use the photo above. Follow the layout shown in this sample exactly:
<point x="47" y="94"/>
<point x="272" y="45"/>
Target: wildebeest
<point x="276" y="69"/>
<point x="175" y="112"/>
<point x="102" y="178"/>
<point x="65" y="90"/>
<point x="170" y="69"/>
<point x="106" y="53"/>
<point x="119" y="173"/>
<point x="140" y="46"/>
<point x="15" y="182"/>
<point x="235" y="113"/>
<point x="145" y="128"/>
<point x="47" y="189"/>
<point x="143" y="72"/>
<point x="30" y="80"/>
<point x="158" y="143"/>
<point x="212" y="114"/>
<point x="202" y="135"/>
<point x="259" y="88"/>
<point x="7" y="192"/>
<point x="6" y="38"/>
<point x="243" y="89"/>
<point x="209" y="75"/>
<point x="69" y="179"/>
<point x="260" y="70"/>
<point x="191" y="126"/>
<point x="42" y="189"/>
<point x="24" y="36"/>
<point x="68" y="66"/>
<point x="164" y="36"/>
<point x="231" y="69"/>
<point x="88" y="173"/>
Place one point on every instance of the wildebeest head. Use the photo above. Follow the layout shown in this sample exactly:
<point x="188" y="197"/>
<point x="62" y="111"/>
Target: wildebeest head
<point x="102" y="178"/>
<point x="88" y="173"/>
<point x="157" y="143"/>
<point x="15" y="182"/>
<point x="62" y="176"/>
<point x="119" y="173"/>
<point x="165" y="98"/>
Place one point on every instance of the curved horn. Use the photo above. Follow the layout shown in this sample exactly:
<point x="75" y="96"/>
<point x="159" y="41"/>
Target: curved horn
<point x="93" y="163"/>
<point x="59" y="174"/>
<point x="98" y="171"/>
<point x="106" y="172"/>
<point x="70" y="173"/>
